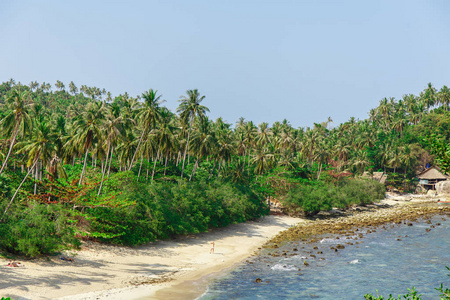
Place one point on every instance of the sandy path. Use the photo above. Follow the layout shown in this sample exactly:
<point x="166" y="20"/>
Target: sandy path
<point x="162" y="270"/>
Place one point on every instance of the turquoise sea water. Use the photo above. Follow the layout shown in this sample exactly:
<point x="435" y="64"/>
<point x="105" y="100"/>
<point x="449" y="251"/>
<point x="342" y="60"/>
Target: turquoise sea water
<point x="389" y="260"/>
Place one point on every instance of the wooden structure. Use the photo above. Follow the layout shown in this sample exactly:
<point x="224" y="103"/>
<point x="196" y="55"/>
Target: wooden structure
<point x="429" y="177"/>
<point x="378" y="176"/>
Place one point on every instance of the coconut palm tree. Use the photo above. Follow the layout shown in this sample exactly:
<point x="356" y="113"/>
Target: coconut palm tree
<point x="148" y="115"/>
<point x="264" y="134"/>
<point x="17" y="119"/>
<point x="263" y="158"/>
<point x="60" y="85"/>
<point x="444" y="97"/>
<point x="428" y="96"/>
<point x="73" y="88"/>
<point x="89" y="127"/>
<point x="203" y="141"/>
<point x="39" y="147"/>
<point x="113" y="130"/>
<point x="188" y="109"/>
<point x="165" y="137"/>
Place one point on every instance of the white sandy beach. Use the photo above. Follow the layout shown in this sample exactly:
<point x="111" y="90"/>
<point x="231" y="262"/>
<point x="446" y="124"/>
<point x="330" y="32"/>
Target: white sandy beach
<point x="175" y="269"/>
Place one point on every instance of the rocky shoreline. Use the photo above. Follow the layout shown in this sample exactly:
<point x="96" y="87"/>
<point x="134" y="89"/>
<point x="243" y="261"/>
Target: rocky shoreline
<point x="352" y="225"/>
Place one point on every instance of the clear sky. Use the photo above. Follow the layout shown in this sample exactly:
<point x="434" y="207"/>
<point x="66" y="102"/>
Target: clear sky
<point x="261" y="60"/>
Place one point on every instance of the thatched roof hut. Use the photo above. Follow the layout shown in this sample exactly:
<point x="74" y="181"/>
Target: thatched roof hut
<point x="378" y="176"/>
<point x="429" y="177"/>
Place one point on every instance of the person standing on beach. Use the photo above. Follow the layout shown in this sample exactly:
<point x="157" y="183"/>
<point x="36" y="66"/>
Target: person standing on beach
<point x="212" y="248"/>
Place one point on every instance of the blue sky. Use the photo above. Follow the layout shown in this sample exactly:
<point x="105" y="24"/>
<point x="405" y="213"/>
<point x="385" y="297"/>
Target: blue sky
<point x="261" y="60"/>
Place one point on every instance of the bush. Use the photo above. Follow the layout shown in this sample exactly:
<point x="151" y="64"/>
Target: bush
<point x="309" y="199"/>
<point x="165" y="210"/>
<point x="312" y="198"/>
<point x="35" y="230"/>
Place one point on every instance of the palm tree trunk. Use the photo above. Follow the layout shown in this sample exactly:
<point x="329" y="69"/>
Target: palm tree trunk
<point x="41" y="169"/>
<point x="212" y="170"/>
<point x="186" y="148"/>
<point x="243" y="165"/>
<point x="110" y="159"/>
<point x="320" y="170"/>
<point x="36" y="177"/>
<point x="248" y="165"/>
<point x="137" y="149"/>
<point x="84" y="166"/>
<point x="104" y="171"/>
<point x="140" y="168"/>
<point x="193" y="170"/>
<point x="165" y="165"/>
<point x="15" y="194"/>
<point x="154" y="165"/>
<point x="218" y="172"/>
<point x="10" y="149"/>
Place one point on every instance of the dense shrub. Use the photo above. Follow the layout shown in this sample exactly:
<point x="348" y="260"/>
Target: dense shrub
<point x="358" y="192"/>
<point x="310" y="199"/>
<point x="163" y="210"/>
<point x="35" y="230"/>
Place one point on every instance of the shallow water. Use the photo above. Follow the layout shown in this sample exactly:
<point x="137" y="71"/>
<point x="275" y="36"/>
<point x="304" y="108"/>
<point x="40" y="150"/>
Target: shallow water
<point x="388" y="260"/>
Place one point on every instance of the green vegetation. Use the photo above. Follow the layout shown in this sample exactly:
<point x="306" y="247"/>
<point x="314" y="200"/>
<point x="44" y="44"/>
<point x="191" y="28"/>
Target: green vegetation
<point x="313" y="198"/>
<point x="81" y="164"/>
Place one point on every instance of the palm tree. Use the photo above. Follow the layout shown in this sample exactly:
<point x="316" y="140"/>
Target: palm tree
<point x="263" y="135"/>
<point x="33" y="86"/>
<point x="429" y="96"/>
<point x="40" y="147"/>
<point x="444" y="97"/>
<point x="360" y="160"/>
<point x="18" y="118"/>
<point x="188" y="109"/>
<point x="73" y="88"/>
<point x="60" y="85"/>
<point x="148" y="116"/>
<point x="88" y="127"/>
<point x="250" y="132"/>
<point x="203" y="141"/>
<point x="113" y="129"/>
<point x="263" y="159"/>
<point x="164" y="136"/>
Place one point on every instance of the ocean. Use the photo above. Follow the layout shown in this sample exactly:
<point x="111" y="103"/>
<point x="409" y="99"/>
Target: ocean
<point x="389" y="260"/>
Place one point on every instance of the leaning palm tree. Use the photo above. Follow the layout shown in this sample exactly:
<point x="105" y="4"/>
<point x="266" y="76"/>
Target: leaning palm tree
<point x="88" y="127"/>
<point x="18" y="118"/>
<point x="188" y="109"/>
<point x="40" y="147"/>
<point x="147" y="115"/>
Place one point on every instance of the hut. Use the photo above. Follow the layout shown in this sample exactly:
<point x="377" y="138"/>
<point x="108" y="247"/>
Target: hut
<point x="429" y="177"/>
<point x="378" y="176"/>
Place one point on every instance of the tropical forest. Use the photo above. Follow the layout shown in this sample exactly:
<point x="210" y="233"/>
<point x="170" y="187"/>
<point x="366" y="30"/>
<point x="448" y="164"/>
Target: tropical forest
<point x="80" y="164"/>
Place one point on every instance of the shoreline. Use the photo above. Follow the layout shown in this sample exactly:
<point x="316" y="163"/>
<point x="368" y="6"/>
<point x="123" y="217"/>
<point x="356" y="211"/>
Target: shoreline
<point x="145" y="272"/>
<point x="182" y="268"/>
